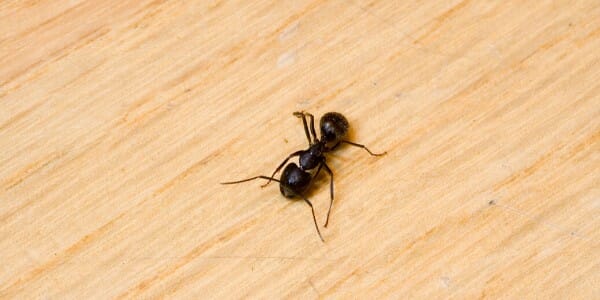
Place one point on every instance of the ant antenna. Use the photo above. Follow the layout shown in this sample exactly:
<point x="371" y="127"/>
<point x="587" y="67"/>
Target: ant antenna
<point x="314" y="218"/>
<point x="252" y="178"/>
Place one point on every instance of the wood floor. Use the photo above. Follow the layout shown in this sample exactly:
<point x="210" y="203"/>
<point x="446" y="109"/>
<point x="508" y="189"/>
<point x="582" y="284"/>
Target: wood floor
<point x="119" y="119"/>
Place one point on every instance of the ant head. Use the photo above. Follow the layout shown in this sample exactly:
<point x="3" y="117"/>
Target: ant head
<point x="334" y="127"/>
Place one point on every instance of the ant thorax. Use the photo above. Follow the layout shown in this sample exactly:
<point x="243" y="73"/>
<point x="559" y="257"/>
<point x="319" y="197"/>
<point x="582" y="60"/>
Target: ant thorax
<point x="312" y="157"/>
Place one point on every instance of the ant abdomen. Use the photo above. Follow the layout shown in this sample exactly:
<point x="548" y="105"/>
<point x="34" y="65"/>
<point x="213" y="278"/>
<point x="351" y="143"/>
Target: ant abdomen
<point x="334" y="127"/>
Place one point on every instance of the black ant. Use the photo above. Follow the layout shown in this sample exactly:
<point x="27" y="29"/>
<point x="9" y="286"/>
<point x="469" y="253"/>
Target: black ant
<point x="295" y="180"/>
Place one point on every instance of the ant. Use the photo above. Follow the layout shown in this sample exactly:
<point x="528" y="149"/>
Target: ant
<point x="295" y="180"/>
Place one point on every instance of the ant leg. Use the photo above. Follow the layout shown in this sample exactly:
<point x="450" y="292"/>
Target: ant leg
<point x="316" y="174"/>
<point x="312" y="126"/>
<point x="252" y="178"/>
<point x="282" y="164"/>
<point x="334" y="146"/>
<point x="314" y="218"/>
<point x="300" y="114"/>
<point x="305" y="199"/>
<point x="361" y="146"/>
<point x="318" y="171"/>
<point x="330" y="190"/>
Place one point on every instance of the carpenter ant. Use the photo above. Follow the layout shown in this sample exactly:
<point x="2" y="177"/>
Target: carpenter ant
<point x="295" y="180"/>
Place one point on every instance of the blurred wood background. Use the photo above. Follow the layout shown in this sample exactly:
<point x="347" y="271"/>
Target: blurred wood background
<point x="118" y="120"/>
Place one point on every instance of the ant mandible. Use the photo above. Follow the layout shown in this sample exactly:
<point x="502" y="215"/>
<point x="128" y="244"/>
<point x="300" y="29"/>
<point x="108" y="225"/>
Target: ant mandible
<point x="295" y="180"/>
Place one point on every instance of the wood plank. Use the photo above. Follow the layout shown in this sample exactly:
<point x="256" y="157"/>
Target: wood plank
<point x="118" y="120"/>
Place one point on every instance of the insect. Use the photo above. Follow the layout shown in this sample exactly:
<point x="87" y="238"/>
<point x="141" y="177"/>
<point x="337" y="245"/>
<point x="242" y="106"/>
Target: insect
<point x="296" y="179"/>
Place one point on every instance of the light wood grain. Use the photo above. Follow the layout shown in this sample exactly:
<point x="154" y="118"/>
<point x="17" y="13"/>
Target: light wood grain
<point x="118" y="120"/>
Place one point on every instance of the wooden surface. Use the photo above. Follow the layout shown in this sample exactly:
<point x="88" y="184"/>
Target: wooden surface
<point x="118" y="120"/>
